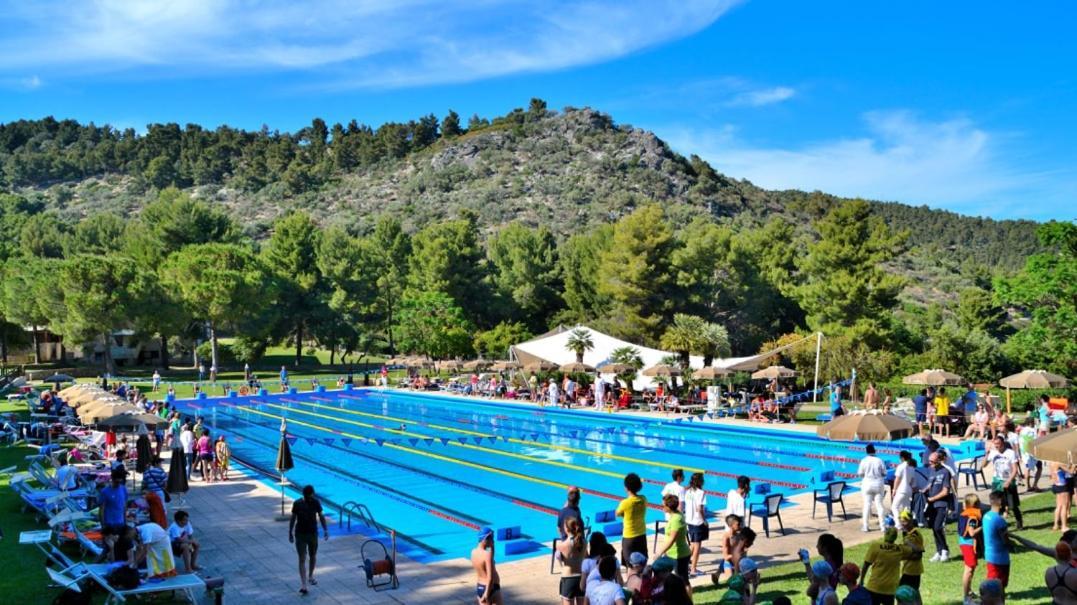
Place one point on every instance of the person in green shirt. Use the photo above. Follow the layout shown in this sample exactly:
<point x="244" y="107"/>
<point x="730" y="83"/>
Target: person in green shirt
<point x="634" y="511"/>
<point x="882" y="565"/>
<point x="676" y="544"/>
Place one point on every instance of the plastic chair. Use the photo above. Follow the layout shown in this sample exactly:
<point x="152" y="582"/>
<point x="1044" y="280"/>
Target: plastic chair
<point x="973" y="468"/>
<point x="771" y="507"/>
<point x="833" y="493"/>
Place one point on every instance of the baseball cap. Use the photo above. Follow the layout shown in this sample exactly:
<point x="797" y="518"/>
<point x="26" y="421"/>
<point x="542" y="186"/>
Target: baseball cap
<point x="748" y="565"/>
<point x="821" y="569"/>
<point x="637" y="558"/>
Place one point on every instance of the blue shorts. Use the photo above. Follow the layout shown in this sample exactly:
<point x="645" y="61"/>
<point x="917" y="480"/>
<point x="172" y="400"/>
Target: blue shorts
<point x="921" y="416"/>
<point x="698" y="533"/>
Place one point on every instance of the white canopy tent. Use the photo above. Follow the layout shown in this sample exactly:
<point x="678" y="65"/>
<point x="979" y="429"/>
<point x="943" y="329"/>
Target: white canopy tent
<point x="551" y="347"/>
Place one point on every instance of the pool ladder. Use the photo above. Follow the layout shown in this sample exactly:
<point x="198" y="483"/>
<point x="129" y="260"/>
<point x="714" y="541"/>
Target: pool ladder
<point x="360" y="512"/>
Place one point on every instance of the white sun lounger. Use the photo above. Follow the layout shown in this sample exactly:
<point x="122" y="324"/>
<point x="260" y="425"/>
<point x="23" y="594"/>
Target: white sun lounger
<point x="183" y="583"/>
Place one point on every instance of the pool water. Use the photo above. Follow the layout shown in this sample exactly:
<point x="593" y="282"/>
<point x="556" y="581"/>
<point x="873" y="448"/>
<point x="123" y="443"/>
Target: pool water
<point x="435" y="468"/>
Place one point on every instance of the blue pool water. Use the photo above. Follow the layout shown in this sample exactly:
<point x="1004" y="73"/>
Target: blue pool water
<point x="435" y="468"/>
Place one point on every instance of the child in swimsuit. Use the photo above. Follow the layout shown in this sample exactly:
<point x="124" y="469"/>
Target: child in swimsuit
<point x="488" y="584"/>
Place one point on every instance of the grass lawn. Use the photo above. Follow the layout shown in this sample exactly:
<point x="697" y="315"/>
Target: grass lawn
<point x="941" y="582"/>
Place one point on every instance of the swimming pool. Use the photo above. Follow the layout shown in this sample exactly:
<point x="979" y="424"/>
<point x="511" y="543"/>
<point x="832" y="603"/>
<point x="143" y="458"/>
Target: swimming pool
<point x="434" y="468"/>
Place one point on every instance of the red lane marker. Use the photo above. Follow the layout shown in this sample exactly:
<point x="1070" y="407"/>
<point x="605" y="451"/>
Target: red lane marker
<point x="453" y="519"/>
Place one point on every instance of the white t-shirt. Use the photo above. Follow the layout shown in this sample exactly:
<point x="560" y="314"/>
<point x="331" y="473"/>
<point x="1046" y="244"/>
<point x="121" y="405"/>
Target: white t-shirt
<point x="604" y="592"/>
<point x="693" y="499"/>
<point x="734" y="504"/>
<point x="175" y="532"/>
<point x="67" y="477"/>
<point x="676" y="489"/>
<point x="872" y="469"/>
<point x="904" y="472"/>
<point x="1004" y="463"/>
<point x="150" y="533"/>
<point x="187" y="439"/>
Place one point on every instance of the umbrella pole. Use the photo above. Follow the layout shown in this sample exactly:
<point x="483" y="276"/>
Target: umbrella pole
<point x="282" y="495"/>
<point x="1007" y="401"/>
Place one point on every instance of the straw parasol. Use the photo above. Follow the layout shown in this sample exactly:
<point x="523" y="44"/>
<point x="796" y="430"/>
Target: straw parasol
<point x="450" y="364"/>
<point x="418" y="362"/>
<point x="577" y="368"/>
<point x="83" y="396"/>
<point x="773" y="372"/>
<point x="710" y="373"/>
<point x="866" y="427"/>
<point x="661" y="369"/>
<point x="1060" y="447"/>
<point x="506" y="365"/>
<point x="1032" y="379"/>
<point x="284" y="460"/>
<point x="99" y="414"/>
<point x="477" y="364"/>
<point x="933" y="378"/>
<point x="541" y="366"/>
<point x="121" y="421"/>
<point x="616" y="368"/>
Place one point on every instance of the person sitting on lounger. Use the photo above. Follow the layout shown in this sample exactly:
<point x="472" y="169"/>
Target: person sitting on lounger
<point x="184" y="544"/>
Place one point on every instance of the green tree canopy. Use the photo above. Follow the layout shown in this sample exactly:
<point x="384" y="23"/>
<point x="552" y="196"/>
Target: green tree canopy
<point x="432" y="324"/>
<point x="580" y="265"/>
<point x="101" y="233"/>
<point x="446" y="257"/>
<point x="291" y="255"/>
<point x="579" y="342"/>
<point x="525" y="272"/>
<point x="175" y="220"/>
<point x="495" y="342"/>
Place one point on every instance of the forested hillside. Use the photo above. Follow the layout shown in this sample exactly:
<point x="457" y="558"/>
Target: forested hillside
<point x="492" y="230"/>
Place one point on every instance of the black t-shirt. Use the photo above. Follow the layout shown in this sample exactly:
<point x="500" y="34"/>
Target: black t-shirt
<point x="565" y="514"/>
<point x="306" y="515"/>
<point x="939" y="480"/>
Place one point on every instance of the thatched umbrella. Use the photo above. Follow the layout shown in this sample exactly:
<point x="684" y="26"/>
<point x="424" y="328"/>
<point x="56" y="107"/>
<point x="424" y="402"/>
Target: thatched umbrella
<point x="98" y="414"/>
<point x="933" y="378"/>
<point x="450" y="365"/>
<point x="577" y="368"/>
<point x="710" y="373"/>
<point x="284" y="460"/>
<point x="502" y="366"/>
<point x="773" y="372"/>
<point x="81" y="397"/>
<point x="866" y="427"/>
<point x="1060" y="447"/>
<point x="540" y="366"/>
<point x="477" y="364"/>
<point x="662" y="369"/>
<point x="616" y="368"/>
<point x="1032" y="379"/>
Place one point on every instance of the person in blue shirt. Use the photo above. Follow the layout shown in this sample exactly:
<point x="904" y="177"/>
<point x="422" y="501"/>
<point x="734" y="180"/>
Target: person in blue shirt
<point x="835" y="402"/>
<point x="283" y="376"/>
<point x="919" y="404"/>
<point x="996" y="538"/>
<point x="112" y="508"/>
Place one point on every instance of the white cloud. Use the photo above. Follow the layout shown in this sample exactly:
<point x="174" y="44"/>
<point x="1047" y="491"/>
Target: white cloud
<point x="347" y="43"/>
<point x="952" y="164"/>
<point x="759" y="98"/>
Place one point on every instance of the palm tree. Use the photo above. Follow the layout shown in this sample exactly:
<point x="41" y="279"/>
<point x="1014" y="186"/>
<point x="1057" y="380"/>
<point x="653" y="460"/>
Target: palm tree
<point x="628" y="356"/>
<point x="579" y="342"/>
<point x="715" y="341"/>
<point x="684" y="336"/>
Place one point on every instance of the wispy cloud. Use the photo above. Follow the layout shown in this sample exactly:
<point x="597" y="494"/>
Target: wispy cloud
<point x="951" y="164"/>
<point x="363" y="43"/>
<point x="761" y="97"/>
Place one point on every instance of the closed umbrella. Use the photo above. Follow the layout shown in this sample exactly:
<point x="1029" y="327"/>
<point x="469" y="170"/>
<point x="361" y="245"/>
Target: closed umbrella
<point x="577" y="368"/>
<point x="1060" y="447"/>
<point x="1032" y="379"/>
<point x="933" y="378"/>
<point x="177" y="475"/>
<point x="710" y="373"/>
<point x="143" y="450"/>
<point x="661" y="369"/>
<point x="773" y="372"/>
<point x="866" y="427"/>
<point x="284" y="460"/>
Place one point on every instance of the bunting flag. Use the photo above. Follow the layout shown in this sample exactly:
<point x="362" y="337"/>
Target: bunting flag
<point x="413" y="441"/>
<point x="347" y="441"/>
<point x="534" y="436"/>
<point x="573" y="434"/>
<point x="492" y="439"/>
<point x="291" y="439"/>
<point x="310" y="440"/>
<point x="444" y="440"/>
<point x="476" y="440"/>
<point x="328" y="440"/>
<point x="462" y="439"/>
<point x="394" y="441"/>
<point x="428" y="441"/>
<point x="380" y="442"/>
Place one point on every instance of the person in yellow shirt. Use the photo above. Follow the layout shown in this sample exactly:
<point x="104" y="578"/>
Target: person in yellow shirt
<point x="882" y="565"/>
<point x="942" y="411"/>
<point x="913" y="568"/>
<point x="634" y="511"/>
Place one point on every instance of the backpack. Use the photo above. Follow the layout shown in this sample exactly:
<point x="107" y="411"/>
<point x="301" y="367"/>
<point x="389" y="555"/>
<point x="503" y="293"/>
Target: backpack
<point x="123" y="578"/>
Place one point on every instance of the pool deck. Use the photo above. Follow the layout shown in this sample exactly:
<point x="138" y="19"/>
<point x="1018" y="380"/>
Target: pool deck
<point x="243" y="540"/>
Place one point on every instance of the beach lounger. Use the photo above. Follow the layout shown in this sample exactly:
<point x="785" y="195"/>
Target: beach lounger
<point x="78" y="526"/>
<point x="183" y="583"/>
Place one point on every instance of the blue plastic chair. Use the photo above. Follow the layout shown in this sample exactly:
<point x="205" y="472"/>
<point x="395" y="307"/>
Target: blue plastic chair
<point x="834" y="492"/>
<point x="771" y="507"/>
<point x="973" y="468"/>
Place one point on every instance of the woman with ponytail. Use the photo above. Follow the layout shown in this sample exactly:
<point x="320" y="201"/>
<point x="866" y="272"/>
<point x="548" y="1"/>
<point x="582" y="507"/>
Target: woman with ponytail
<point x="573" y="550"/>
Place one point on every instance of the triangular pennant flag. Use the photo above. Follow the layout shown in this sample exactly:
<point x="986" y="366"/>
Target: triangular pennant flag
<point x="429" y="441"/>
<point x="534" y="436"/>
<point x="328" y="441"/>
<point x="462" y="439"/>
<point x="413" y="441"/>
<point x="492" y="439"/>
<point x="311" y="440"/>
<point x="380" y="442"/>
<point x="291" y="440"/>
<point x="346" y="441"/>
<point x="476" y="440"/>
<point x="573" y="434"/>
<point x="444" y="440"/>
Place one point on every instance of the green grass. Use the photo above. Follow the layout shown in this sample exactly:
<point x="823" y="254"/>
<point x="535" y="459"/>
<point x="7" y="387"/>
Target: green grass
<point x="941" y="582"/>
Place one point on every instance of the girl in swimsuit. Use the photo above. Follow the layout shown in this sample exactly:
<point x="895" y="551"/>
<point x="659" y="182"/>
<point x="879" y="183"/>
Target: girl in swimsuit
<point x="573" y="551"/>
<point x="1063" y="490"/>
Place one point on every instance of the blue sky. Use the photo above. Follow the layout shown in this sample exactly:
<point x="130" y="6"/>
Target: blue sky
<point x="958" y="105"/>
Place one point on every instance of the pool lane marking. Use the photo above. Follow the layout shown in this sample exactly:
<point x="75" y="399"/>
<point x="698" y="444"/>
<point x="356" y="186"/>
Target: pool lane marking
<point x="788" y="484"/>
<point x="463" y="485"/>
<point x="777" y="465"/>
<point x="467" y="463"/>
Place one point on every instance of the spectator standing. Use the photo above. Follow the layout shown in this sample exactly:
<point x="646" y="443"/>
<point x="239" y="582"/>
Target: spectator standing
<point x="634" y="510"/>
<point x="882" y="567"/>
<point x="1062" y="488"/>
<point x="606" y="591"/>
<point x="919" y="404"/>
<point x="573" y="551"/>
<point x="1033" y="467"/>
<point x="942" y="412"/>
<point x="187" y="441"/>
<point x="913" y="568"/>
<point x="903" y="484"/>
<point x="873" y="473"/>
<point x="836" y="408"/>
<point x="675" y="488"/>
<point x="871" y="397"/>
<point x="996" y="542"/>
<point x="1004" y="460"/>
<point x="735" y="500"/>
<point x="676" y="543"/>
<point x="848" y="575"/>
<point x="938" y="503"/>
<point x="970" y="540"/>
<point x="155" y="478"/>
<point x="695" y="516"/>
<point x="571" y="510"/>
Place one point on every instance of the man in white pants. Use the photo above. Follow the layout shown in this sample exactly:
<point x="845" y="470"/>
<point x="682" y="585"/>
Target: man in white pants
<point x="873" y="485"/>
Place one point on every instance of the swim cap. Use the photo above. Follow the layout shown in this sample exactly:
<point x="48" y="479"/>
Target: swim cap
<point x="483" y="533"/>
<point x="736" y="583"/>
<point x="1063" y="551"/>
<point x="906" y="594"/>
<point x="821" y="569"/>
<point x="748" y="565"/>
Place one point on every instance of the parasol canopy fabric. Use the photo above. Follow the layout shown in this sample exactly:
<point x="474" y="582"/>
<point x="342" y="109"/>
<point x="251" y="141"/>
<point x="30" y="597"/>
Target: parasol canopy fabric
<point x="1034" y="379"/>
<point x="477" y="364"/>
<point x="100" y="414"/>
<point x="450" y="364"/>
<point x="661" y="369"/>
<point x="541" y="366"/>
<point x="121" y="420"/>
<point x="774" y="372"/>
<point x="81" y="396"/>
<point x="710" y="373"/>
<point x="58" y="378"/>
<point x="143" y="452"/>
<point x="284" y="455"/>
<point x="506" y="365"/>
<point x="616" y="368"/>
<point x="933" y="378"/>
<point x="577" y="368"/>
<point x="418" y="362"/>
<point x="177" y="472"/>
<point x="866" y="427"/>
<point x="1060" y="447"/>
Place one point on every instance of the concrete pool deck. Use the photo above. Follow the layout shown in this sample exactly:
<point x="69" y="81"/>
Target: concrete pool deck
<point x="243" y="541"/>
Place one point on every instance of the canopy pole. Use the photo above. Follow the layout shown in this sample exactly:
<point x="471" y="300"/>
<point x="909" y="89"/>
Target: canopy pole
<point x="1008" y="401"/>
<point x="818" y="347"/>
